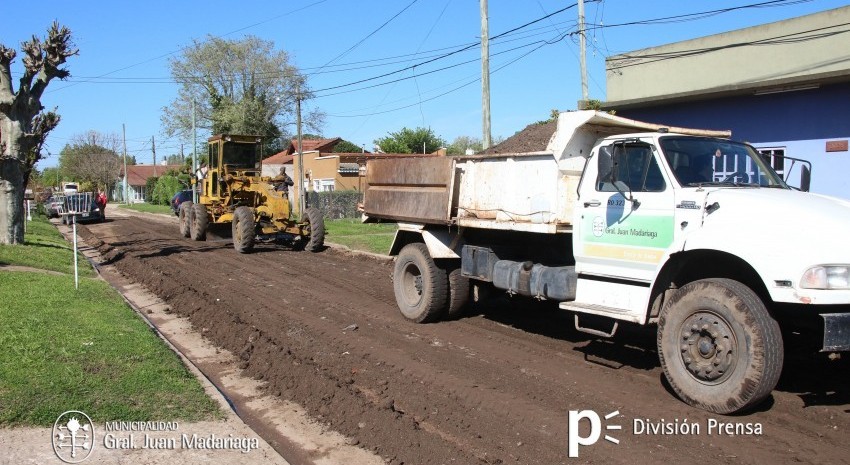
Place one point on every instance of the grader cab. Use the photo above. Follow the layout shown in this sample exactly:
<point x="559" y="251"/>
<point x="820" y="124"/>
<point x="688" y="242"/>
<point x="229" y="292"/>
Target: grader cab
<point x="234" y="193"/>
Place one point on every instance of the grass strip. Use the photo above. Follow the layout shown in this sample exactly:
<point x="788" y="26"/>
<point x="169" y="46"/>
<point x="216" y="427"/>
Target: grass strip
<point x="86" y="350"/>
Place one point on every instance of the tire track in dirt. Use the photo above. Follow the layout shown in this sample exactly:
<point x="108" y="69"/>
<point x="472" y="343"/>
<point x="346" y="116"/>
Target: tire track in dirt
<point x="473" y="390"/>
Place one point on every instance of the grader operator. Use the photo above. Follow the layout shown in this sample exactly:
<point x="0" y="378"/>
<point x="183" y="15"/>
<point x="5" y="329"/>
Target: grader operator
<point x="234" y="193"/>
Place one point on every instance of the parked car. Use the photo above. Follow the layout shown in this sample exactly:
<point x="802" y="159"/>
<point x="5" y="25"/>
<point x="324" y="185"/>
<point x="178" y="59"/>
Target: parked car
<point x="85" y="206"/>
<point x="179" y="198"/>
<point x="53" y="207"/>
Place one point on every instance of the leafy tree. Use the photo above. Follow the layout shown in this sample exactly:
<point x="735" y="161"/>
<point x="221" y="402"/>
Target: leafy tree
<point x="175" y="159"/>
<point x="462" y="143"/>
<point x="410" y="141"/>
<point x="48" y="177"/>
<point x="239" y="86"/>
<point x="165" y="188"/>
<point x="92" y="157"/>
<point x="345" y="146"/>
<point x="150" y="186"/>
<point x="23" y="123"/>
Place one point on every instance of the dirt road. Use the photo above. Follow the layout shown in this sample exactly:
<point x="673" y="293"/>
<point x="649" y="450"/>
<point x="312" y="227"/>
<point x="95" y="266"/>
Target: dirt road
<point x="495" y="387"/>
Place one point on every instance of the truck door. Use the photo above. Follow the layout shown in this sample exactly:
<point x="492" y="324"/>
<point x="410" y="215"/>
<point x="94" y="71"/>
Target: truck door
<point x="625" y="225"/>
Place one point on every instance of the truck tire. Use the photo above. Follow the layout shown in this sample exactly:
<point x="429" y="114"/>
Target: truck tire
<point x="185" y="215"/>
<point x="458" y="294"/>
<point x="317" y="229"/>
<point x="421" y="287"/>
<point x="719" y="347"/>
<point x="243" y="229"/>
<point x="200" y="222"/>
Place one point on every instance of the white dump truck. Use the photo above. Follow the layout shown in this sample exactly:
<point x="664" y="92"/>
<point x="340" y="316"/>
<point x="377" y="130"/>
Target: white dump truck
<point x="632" y="222"/>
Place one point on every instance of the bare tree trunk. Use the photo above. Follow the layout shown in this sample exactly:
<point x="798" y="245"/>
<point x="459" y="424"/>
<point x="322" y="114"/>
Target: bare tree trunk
<point x="11" y="201"/>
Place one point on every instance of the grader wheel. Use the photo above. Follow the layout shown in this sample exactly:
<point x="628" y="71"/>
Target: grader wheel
<point x="243" y="229"/>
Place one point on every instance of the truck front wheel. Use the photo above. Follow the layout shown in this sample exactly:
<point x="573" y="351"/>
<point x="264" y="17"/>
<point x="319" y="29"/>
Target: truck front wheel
<point x="421" y="287"/>
<point x="719" y="347"/>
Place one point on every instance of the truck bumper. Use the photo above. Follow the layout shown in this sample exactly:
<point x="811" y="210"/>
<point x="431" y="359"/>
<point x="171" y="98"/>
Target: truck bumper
<point x="836" y="332"/>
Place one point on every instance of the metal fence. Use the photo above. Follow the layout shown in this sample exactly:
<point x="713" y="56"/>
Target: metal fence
<point x="77" y="203"/>
<point x="336" y="204"/>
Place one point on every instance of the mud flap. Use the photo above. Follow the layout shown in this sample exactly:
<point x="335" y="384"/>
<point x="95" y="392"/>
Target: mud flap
<point x="836" y="332"/>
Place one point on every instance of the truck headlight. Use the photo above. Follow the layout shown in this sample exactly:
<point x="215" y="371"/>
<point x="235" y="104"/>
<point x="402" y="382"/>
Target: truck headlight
<point x="826" y="277"/>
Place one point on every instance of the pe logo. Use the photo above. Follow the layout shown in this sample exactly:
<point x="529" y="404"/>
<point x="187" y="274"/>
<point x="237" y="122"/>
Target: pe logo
<point x="73" y="436"/>
<point x="575" y="437"/>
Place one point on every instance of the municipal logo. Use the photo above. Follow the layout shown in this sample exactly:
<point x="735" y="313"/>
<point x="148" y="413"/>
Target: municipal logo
<point x="598" y="226"/>
<point x="73" y="436"/>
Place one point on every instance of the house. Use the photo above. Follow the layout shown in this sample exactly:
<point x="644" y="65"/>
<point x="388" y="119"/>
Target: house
<point x="137" y="177"/>
<point x="783" y="87"/>
<point x="273" y="164"/>
<point x="339" y="171"/>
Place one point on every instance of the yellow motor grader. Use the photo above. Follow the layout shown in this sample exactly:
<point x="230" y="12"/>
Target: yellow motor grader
<point x="235" y="193"/>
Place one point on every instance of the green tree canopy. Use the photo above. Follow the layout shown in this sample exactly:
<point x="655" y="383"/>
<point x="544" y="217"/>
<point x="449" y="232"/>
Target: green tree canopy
<point x="410" y="141"/>
<point x="462" y="143"/>
<point x="92" y="157"/>
<point x="345" y="146"/>
<point x="241" y="86"/>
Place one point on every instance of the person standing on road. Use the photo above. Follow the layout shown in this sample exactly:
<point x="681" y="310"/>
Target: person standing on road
<point x="101" y="200"/>
<point x="201" y="174"/>
<point x="282" y="182"/>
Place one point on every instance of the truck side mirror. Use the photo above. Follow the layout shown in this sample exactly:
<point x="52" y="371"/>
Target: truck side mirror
<point x="605" y="165"/>
<point x="805" y="178"/>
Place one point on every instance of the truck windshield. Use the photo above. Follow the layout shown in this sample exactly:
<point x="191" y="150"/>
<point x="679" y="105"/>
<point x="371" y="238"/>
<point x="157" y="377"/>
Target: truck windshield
<point x="699" y="161"/>
<point x="241" y="155"/>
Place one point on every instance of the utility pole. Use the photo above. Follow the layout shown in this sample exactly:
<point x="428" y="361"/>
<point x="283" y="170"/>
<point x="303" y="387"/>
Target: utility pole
<point x="153" y="149"/>
<point x="582" y="55"/>
<point x="302" y="201"/>
<point x="194" y="156"/>
<point x="485" y="76"/>
<point x="124" y="133"/>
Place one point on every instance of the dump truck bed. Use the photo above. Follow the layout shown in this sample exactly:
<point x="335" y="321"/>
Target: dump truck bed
<point x="505" y="191"/>
<point x="533" y="192"/>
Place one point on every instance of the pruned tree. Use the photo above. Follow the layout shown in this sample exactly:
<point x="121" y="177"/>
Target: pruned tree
<point x="92" y="157"/>
<point x="240" y="87"/>
<point x="23" y="123"/>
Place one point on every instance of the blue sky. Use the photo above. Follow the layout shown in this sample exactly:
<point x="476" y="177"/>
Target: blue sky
<point x="121" y="74"/>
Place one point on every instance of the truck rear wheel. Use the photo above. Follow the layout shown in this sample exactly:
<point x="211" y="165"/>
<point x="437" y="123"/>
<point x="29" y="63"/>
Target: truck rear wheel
<point x="421" y="287"/>
<point x="185" y="215"/>
<point x="317" y="229"/>
<point x="243" y="229"/>
<point x="200" y="222"/>
<point x="458" y="294"/>
<point x="719" y="347"/>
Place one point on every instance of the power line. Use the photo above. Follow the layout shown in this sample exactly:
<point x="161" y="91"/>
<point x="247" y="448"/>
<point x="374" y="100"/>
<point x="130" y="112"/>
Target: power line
<point x="795" y="37"/>
<point x="186" y="47"/>
<point x="375" y="31"/>
<point x="459" y="87"/>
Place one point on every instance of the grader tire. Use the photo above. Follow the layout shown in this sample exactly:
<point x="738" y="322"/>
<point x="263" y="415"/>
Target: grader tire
<point x="317" y="230"/>
<point x="185" y="215"/>
<point x="421" y="287"/>
<point x="719" y="347"/>
<point x="243" y="229"/>
<point x="200" y="222"/>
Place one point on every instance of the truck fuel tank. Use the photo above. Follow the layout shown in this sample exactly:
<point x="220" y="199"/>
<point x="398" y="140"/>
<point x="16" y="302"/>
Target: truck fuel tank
<point x="536" y="280"/>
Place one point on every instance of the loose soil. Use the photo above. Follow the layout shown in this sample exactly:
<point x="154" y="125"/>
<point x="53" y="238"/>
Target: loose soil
<point x="533" y="138"/>
<point x="323" y="330"/>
